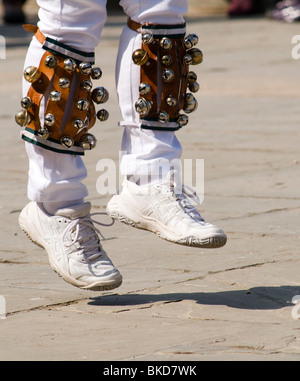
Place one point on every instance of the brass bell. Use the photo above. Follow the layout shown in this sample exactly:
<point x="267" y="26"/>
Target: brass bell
<point x="168" y="75"/>
<point x="140" y="57"/>
<point x="191" y="77"/>
<point x="64" y="83"/>
<point x="144" y="88"/>
<point x="55" y="96"/>
<point x="102" y="115"/>
<point x="43" y="133"/>
<point x="78" y="123"/>
<point x="26" y="103"/>
<point x="67" y="141"/>
<point x="69" y="64"/>
<point x="147" y="38"/>
<point x="166" y="43"/>
<point x="143" y="106"/>
<point x="100" y="95"/>
<point x="22" y="118"/>
<point x="88" y="141"/>
<point x="96" y="73"/>
<point x="49" y="120"/>
<point x="51" y="62"/>
<point x="188" y="59"/>
<point x="197" y="56"/>
<point x="163" y="117"/>
<point x="182" y="120"/>
<point x="32" y="74"/>
<point x="82" y="104"/>
<point x="85" y="68"/>
<point x="166" y="60"/>
<point x="194" y="87"/>
<point x="86" y="85"/>
<point x="171" y="101"/>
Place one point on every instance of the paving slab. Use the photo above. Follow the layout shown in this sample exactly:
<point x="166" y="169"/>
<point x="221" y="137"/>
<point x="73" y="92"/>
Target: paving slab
<point x="176" y="303"/>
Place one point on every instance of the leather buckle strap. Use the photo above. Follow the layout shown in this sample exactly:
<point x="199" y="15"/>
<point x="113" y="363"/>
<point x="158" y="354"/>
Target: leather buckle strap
<point x="134" y="25"/>
<point x="34" y="29"/>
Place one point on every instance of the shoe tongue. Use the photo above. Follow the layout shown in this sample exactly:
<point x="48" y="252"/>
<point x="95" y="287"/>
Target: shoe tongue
<point x="76" y="211"/>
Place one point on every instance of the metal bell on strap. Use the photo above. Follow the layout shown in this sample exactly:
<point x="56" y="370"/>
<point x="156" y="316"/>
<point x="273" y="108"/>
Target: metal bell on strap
<point x="143" y="106"/>
<point x="51" y="62"/>
<point x="88" y="141"/>
<point x="22" y="118"/>
<point x="67" y="141"/>
<point x="82" y="104"/>
<point x="26" y="102"/>
<point x="100" y="95"/>
<point x="32" y="74"/>
<point x="140" y="57"/>
<point x="102" y="115"/>
<point x="49" y="120"/>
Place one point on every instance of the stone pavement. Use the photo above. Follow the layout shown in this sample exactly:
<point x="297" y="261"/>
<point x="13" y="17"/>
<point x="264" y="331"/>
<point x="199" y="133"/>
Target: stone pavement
<point x="176" y="303"/>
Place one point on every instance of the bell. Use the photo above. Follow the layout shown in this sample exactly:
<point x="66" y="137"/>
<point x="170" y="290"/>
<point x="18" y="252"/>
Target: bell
<point x="194" y="87"/>
<point x="191" y="77"/>
<point x="163" y="117"/>
<point x="189" y="98"/>
<point x="166" y="43"/>
<point x="171" y="101"/>
<point x="190" y="41"/>
<point x="190" y="106"/>
<point x="194" y="38"/>
<point x="182" y="120"/>
<point x="197" y="56"/>
<point x="43" y="133"/>
<point x="100" y="95"/>
<point x="55" y="96"/>
<point x="168" y="75"/>
<point x="22" y="118"/>
<point x="143" y="106"/>
<point x="78" y="123"/>
<point x="96" y="73"/>
<point x="188" y="59"/>
<point x="166" y="60"/>
<point x="147" y="38"/>
<point x="82" y="104"/>
<point x="102" y="115"/>
<point x="32" y="74"/>
<point x="144" y="88"/>
<point x="86" y="85"/>
<point x="26" y="103"/>
<point x="49" y="120"/>
<point x="64" y="83"/>
<point x="69" y="64"/>
<point x="88" y="141"/>
<point x="51" y="62"/>
<point x="140" y="57"/>
<point x="67" y="141"/>
<point x="85" y="68"/>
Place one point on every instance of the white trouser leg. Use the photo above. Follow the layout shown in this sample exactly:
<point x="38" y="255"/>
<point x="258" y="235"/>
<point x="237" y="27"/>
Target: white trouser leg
<point x="145" y="152"/>
<point x="53" y="177"/>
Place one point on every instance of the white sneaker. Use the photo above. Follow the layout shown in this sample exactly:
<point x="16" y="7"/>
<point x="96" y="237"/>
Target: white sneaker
<point x="170" y="215"/>
<point x="72" y="244"/>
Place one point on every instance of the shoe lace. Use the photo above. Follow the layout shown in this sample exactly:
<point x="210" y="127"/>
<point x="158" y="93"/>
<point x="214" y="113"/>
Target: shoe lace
<point x="84" y="235"/>
<point x="183" y="196"/>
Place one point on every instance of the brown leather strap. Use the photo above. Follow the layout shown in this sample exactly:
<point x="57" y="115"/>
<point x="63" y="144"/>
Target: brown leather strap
<point x="34" y="29"/>
<point x="134" y="25"/>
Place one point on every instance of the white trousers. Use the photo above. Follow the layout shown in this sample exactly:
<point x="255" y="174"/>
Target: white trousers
<point x="57" y="178"/>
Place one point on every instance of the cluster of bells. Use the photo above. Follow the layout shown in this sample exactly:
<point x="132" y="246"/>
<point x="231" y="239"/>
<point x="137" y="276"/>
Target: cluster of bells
<point x="193" y="56"/>
<point x="99" y="95"/>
